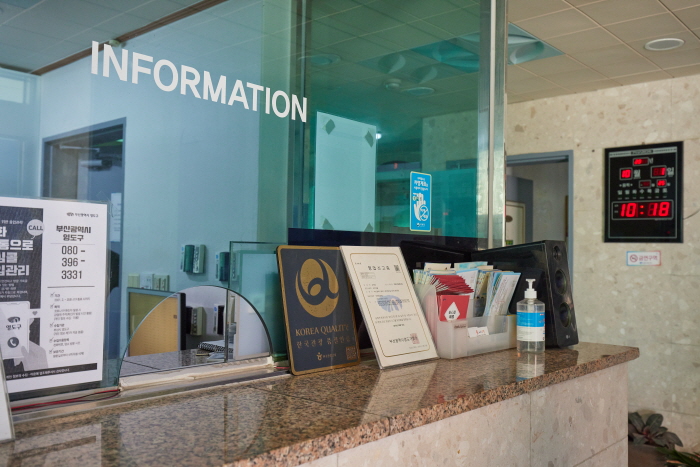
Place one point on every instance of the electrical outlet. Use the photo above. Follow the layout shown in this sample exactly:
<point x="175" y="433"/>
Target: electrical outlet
<point x="200" y="253"/>
<point x="197" y="324"/>
<point x="146" y="281"/>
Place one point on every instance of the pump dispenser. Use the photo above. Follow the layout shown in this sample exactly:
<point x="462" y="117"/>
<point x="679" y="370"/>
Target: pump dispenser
<point x="530" y="322"/>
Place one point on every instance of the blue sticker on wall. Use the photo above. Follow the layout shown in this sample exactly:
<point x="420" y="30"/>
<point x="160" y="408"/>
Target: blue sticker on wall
<point x="421" y="209"/>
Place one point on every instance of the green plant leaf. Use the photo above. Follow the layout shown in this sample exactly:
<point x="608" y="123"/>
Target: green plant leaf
<point x="673" y="438"/>
<point x="654" y="421"/>
<point x="638" y="439"/>
<point x="636" y="421"/>
<point x="676" y="458"/>
<point x="631" y="429"/>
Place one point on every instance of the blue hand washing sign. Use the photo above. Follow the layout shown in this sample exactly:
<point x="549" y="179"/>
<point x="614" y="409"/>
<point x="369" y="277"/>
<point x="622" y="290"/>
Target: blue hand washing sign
<point x="420" y="202"/>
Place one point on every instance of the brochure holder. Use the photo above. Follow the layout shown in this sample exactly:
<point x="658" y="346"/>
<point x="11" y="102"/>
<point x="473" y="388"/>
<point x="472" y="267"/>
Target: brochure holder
<point x="452" y="338"/>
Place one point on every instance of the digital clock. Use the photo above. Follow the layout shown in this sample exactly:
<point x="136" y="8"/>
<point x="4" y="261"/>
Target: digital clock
<point x="644" y="210"/>
<point x="659" y="171"/>
<point x="644" y="193"/>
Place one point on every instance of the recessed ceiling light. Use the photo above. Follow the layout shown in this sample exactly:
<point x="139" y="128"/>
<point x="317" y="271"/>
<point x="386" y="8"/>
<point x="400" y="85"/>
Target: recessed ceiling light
<point x="668" y="43"/>
<point x="392" y="84"/>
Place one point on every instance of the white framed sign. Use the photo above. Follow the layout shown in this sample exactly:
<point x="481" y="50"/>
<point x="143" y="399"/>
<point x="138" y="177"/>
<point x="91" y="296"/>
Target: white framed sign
<point x="643" y="258"/>
<point x="53" y="267"/>
<point x="389" y="305"/>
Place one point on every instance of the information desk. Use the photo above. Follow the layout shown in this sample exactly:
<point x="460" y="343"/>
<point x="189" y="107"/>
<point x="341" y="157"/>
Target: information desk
<point x="469" y="411"/>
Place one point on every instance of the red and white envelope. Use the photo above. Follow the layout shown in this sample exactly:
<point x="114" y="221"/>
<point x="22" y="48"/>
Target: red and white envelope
<point x="453" y="307"/>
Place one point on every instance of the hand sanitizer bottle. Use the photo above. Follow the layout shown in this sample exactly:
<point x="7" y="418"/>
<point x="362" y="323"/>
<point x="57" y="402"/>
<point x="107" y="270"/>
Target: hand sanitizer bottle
<point x="530" y="322"/>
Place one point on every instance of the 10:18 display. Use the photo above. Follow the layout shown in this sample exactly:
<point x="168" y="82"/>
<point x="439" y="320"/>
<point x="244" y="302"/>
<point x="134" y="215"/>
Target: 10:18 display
<point x="647" y="209"/>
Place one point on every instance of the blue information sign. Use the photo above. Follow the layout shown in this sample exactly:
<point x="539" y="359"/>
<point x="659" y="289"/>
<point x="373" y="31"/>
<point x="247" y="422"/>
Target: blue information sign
<point x="420" y="202"/>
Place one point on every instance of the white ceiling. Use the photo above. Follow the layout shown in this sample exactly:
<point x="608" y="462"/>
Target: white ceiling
<point x="36" y="33"/>
<point x="602" y="40"/>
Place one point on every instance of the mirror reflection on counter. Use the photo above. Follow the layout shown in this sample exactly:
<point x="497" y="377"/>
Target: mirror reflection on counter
<point x="195" y="326"/>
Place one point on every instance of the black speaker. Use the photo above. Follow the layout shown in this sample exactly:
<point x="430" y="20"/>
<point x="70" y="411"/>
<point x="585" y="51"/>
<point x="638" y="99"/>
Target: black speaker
<point x="547" y="263"/>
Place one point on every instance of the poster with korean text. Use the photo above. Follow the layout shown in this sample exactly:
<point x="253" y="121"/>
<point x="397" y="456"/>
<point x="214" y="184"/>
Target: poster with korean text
<point x="53" y="263"/>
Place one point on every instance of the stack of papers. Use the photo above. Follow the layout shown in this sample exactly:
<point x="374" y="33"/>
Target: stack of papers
<point x="500" y="291"/>
<point x="493" y="289"/>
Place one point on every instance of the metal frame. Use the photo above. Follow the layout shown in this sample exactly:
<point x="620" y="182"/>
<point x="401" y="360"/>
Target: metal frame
<point x="492" y="115"/>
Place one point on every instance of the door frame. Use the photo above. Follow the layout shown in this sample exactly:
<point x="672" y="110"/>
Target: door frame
<point x="549" y="158"/>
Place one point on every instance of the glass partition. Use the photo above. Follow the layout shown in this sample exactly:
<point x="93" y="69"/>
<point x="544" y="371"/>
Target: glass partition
<point x="209" y="127"/>
<point x="196" y="326"/>
<point x="396" y="88"/>
<point x="254" y="275"/>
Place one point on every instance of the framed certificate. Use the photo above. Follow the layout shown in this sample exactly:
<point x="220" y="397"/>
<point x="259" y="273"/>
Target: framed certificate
<point x="389" y="305"/>
<point x="318" y="310"/>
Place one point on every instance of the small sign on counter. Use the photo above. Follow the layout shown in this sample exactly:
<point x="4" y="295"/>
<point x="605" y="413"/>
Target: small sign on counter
<point x="318" y="310"/>
<point x="643" y="258"/>
<point x="389" y="305"/>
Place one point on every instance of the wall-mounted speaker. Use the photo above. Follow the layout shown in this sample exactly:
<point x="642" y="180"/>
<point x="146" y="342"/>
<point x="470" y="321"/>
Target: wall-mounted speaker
<point x="547" y="263"/>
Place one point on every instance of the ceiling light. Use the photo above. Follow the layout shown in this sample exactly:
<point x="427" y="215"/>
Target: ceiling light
<point x="668" y="43"/>
<point x="392" y="84"/>
<point x="378" y="135"/>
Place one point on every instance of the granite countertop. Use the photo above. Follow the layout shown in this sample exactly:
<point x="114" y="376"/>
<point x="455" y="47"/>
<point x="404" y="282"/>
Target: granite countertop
<point x="292" y="420"/>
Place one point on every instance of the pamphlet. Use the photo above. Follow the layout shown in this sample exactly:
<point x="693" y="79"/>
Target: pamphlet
<point x="500" y="292"/>
<point x="53" y="267"/>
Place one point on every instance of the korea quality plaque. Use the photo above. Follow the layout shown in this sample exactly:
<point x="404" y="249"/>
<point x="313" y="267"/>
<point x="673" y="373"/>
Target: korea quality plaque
<point x="390" y="308"/>
<point x="318" y="310"/>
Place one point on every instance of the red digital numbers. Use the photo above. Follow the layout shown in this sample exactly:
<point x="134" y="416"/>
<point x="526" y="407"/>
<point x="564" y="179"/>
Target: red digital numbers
<point x="629" y="210"/>
<point x="625" y="174"/>
<point x="658" y="171"/>
<point x="640" y="161"/>
<point x="644" y="183"/>
<point x="647" y="210"/>
<point x="661" y="183"/>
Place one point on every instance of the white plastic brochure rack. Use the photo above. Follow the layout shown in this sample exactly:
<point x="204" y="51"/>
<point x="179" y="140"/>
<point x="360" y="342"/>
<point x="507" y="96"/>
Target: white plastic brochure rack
<point x="461" y="338"/>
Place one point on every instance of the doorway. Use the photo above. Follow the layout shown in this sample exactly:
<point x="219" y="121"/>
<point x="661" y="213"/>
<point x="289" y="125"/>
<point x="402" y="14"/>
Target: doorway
<point x="88" y="165"/>
<point x="539" y="198"/>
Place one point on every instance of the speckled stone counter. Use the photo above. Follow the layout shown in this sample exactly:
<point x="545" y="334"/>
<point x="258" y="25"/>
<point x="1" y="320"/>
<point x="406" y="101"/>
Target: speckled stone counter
<point x="342" y="417"/>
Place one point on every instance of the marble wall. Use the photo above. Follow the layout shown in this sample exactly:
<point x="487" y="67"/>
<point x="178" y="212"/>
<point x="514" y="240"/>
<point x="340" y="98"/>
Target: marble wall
<point x="571" y="424"/>
<point x="654" y="308"/>
<point x="445" y="139"/>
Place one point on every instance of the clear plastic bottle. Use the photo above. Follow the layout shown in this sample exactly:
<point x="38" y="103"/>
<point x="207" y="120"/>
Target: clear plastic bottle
<point x="530" y="322"/>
